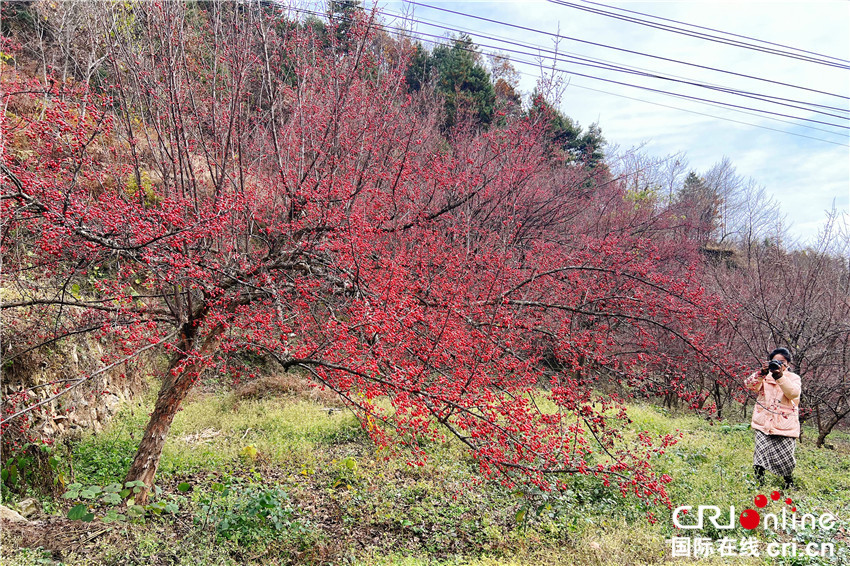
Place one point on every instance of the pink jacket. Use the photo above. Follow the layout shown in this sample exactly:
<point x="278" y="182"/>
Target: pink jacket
<point x="777" y="407"/>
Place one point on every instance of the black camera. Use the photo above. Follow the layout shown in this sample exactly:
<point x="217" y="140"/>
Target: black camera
<point x="774" y="365"/>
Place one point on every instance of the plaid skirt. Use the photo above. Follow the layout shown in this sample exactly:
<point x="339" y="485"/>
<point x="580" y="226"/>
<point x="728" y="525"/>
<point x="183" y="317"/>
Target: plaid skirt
<point x="775" y="453"/>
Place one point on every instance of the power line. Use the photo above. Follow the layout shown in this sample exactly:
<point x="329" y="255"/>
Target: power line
<point x="613" y="65"/>
<point x="716" y="30"/>
<point x="621" y="83"/>
<point x="720" y="117"/>
<point x="624" y="50"/>
<point x="706" y="36"/>
<point x="441" y="41"/>
<point x="714" y="116"/>
<point x="589" y="62"/>
<point x="502" y="39"/>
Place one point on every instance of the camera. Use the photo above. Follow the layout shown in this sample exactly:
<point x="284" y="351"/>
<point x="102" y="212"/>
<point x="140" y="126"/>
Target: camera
<point x="774" y="365"/>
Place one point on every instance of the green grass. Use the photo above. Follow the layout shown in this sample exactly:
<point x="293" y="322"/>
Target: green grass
<point x="285" y="431"/>
<point x="350" y="503"/>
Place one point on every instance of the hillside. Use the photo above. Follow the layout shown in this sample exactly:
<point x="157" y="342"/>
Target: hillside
<point x="382" y="306"/>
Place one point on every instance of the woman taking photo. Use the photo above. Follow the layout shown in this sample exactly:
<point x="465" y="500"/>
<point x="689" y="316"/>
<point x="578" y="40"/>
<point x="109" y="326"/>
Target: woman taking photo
<point x="776" y="416"/>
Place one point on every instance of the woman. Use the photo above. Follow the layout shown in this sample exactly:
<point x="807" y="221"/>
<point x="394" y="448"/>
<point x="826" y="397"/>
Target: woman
<point x="776" y="416"/>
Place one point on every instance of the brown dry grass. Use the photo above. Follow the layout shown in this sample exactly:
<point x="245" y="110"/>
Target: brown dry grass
<point x="287" y="384"/>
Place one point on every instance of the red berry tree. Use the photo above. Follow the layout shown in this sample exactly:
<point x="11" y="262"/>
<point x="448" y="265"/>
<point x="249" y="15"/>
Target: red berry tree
<point x="242" y="184"/>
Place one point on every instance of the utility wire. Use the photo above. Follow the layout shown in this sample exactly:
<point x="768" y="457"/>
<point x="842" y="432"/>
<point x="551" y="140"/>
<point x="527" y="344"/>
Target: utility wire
<point x="700" y="35"/>
<point x="583" y="61"/>
<point x="499" y="38"/>
<point x="606" y="46"/>
<point x="440" y="40"/>
<point x="719" y="117"/>
<point x="612" y="65"/>
<point x="717" y="31"/>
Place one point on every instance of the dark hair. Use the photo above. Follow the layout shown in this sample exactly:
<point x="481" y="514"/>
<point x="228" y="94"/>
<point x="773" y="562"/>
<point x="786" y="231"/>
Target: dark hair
<point x="784" y="351"/>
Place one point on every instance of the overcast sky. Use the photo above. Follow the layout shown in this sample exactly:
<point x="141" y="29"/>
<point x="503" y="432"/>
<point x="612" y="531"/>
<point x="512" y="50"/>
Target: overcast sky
<point x="806" y="175"/>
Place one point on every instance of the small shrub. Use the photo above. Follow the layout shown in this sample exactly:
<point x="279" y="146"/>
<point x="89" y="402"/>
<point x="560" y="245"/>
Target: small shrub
<point x="35" y="467"/>
<point x="109" y="499"/>
<point x="100" y="462"/>
<point x="250" y="513"/>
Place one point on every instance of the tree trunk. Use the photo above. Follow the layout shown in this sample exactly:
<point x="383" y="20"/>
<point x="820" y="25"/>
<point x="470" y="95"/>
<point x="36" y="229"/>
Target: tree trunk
<point x="718" y="400"/>
<point x="823" y="431"/>
<point x="174" y="390"/>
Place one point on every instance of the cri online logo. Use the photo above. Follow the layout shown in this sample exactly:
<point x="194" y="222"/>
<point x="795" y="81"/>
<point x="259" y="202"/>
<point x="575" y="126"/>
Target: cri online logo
<point x="750" y="518"/>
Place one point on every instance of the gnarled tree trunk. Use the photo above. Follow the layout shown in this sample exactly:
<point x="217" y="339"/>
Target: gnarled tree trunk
<point x="174" y="390"/>
<point x="826" y="428"/>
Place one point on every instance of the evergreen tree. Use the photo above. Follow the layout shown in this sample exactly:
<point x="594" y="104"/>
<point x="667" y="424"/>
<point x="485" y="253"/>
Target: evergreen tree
<point x="701" y="203"/>
<point x="418" y="69"/>
<point x="567" y="135"/>
<point x="342" y="13"/>
<point x="463" y="81"/>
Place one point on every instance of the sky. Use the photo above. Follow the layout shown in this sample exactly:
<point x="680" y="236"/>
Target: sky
<point x="807" y="177"/>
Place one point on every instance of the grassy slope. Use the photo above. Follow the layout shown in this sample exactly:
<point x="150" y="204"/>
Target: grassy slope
<point x="352" y="504"/>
